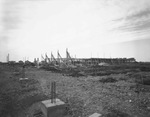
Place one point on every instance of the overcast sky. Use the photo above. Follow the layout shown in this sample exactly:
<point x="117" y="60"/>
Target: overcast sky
<point x="88" y="28"/>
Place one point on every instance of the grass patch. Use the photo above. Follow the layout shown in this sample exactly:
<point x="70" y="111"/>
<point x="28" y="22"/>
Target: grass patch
<point x="75" y="107"/>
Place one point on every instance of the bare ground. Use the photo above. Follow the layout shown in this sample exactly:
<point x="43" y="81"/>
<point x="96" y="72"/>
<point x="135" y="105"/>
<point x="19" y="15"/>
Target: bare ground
<point x="115" y="95"/>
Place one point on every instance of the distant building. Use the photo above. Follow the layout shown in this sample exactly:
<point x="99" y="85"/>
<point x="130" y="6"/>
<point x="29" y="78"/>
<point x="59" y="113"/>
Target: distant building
<point x="100" y="61"/>
<point x="20" y="62"/>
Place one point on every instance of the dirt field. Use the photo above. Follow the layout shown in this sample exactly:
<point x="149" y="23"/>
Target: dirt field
<point x="114" y="95"/>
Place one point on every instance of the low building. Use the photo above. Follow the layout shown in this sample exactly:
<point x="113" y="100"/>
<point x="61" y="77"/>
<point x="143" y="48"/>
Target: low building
<point x="97" y="61"/>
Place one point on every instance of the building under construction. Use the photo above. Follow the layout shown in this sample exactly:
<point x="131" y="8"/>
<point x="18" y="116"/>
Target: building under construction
<point x="60" y="62"/>
<point x="79" y="66"/>
<point x="107" y="61"/>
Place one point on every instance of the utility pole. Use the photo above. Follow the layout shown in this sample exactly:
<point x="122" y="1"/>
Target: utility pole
<point x="7" y="58"/>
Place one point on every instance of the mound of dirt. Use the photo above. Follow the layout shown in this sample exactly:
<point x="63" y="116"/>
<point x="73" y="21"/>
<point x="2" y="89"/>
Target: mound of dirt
<point x="116" y="113"/>
<point x="108" y="80"/>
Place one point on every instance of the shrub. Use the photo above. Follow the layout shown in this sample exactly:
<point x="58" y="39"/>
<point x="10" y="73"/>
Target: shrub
<point x="107" y="80"/>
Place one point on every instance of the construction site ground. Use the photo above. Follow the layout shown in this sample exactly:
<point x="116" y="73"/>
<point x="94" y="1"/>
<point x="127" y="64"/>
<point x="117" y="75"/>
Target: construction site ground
<point x="114" y="95"/>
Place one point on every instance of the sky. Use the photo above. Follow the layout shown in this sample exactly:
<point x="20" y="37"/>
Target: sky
<point x="88" y="28"/>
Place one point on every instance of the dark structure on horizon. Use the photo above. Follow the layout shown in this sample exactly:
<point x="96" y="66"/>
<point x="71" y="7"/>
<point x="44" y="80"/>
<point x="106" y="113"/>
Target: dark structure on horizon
<point x="69" y="61"/>
<point x="101" y="61"/>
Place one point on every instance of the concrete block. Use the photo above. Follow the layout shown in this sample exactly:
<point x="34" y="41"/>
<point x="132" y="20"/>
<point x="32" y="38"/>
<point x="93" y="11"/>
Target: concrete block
<point x="53" y="109"/>
<point x="95" y="115"/>
<point x="21" y="79"/>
